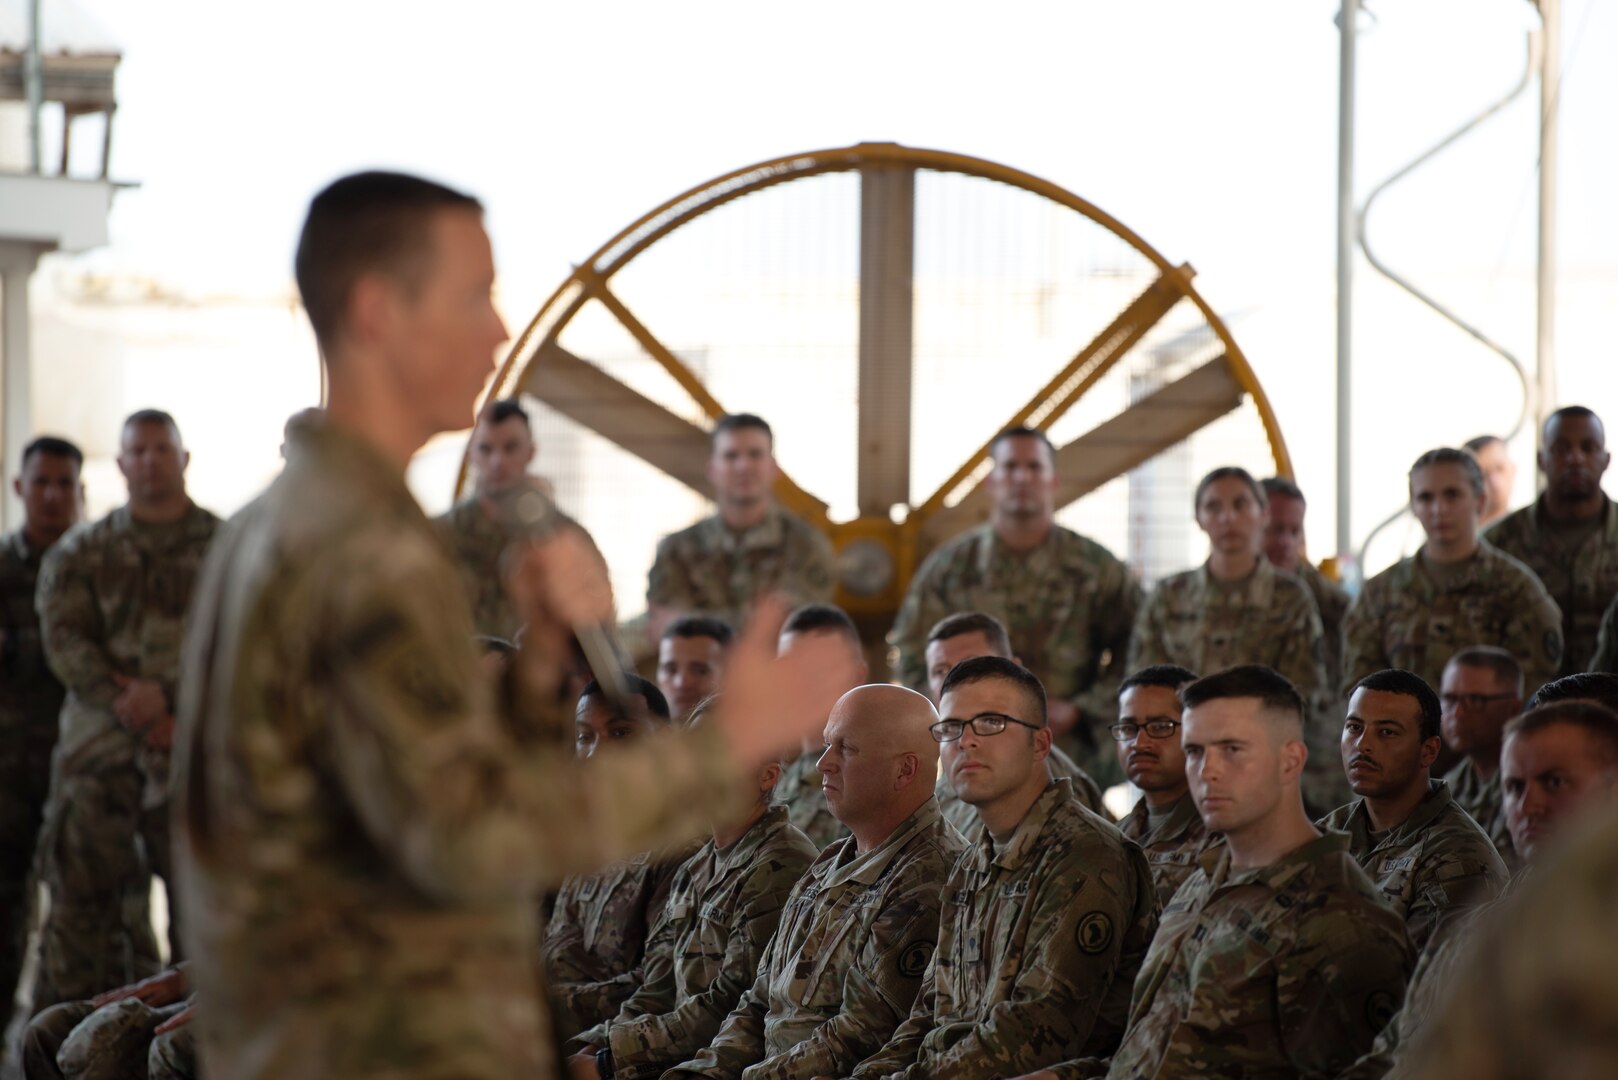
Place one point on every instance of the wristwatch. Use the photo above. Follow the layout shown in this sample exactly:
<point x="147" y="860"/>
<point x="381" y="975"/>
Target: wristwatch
<point x="604" y="1063"/>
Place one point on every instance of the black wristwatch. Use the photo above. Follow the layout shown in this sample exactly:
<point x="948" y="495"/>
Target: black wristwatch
<point x="604" y="1063"/>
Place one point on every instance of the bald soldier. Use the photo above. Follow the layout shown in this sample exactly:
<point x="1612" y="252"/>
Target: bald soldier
<point x="843" y="970"/>
<point x="963" y="636"/>
<point x="1045" y="917"/>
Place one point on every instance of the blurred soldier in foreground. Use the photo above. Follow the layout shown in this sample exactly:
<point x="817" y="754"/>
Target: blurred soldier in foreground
<point x="800" y="787"/>
<point x="1606" y="657"/>
<point x="1283" y="546"/>
<point x="1499" y="474"/>
<point x="112" y="599"/>
<point x="691" y="661"/>
<point x="1482" y="689"/>
<point x="363" y="820"/>
<point x="143" y="1029"/>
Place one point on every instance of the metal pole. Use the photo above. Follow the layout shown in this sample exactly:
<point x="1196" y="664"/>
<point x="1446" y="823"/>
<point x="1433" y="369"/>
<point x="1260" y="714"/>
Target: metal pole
<point x="33" y="80"/>
<point x="1550" y="78"/>
<point x="1348" y="18"/>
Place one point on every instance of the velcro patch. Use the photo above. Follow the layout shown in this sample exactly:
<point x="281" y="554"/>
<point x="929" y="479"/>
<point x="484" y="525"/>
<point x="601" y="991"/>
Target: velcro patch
<point x="1094" y="934"/>
<point x="913" y="960"/>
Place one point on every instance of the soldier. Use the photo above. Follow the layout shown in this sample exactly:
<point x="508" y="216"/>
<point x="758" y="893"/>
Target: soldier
<point x="363" y="819"/>
<point x="112" y="600"/>
<point x="1045" y="918"/>
<point x="30" y="696"/>
<point x="599" y="923"/>
<point x="1165" y="822"/>
<point x="1236" y="609"/>
<point x="1499" y="474"/>
<point x="843" y="970"/>
<point x="800" y="787"/>
<point x="721" y="912"/>
<point x="1482" y="689"/>
<point x="1458" y="590"/>
<point x="1430" y="860"/>
<point x="691" y="661"/>
<point x="1277" y="957"/>
<point x="479" y="528"/>
<point x="1606" y="657"/>
<point x="1569" y="536"/>
<point x="116" y="1034"/>
<point x="752" y="546"/>
<point x="963" y="636"/>
<point x="1066" y="601"/>
<point x="1283" y="546"/>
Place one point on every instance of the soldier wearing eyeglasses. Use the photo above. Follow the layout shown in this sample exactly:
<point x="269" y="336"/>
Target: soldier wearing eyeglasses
<point x="1165" y="822"/>
<point x="1482" y="688"/>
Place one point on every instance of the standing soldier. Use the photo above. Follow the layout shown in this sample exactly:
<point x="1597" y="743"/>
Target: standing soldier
<point x="1499" y="474"/>
<point x="1283" y="546"/>
<point x="1458" y="590"/>
<point x="30" y="696"/>
<point x="751" y="547"/>
<point x="112" y="601"/>
<point x="1067" y="603"/>
<point x="1481" y="691"/>
<point x="1569" y="535"/>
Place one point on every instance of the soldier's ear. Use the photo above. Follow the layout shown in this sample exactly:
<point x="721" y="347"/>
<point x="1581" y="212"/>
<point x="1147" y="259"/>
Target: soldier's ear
<point x="1429" y="751"/>
<point x="1294" y="755"/>
<point x="909" y="770"/>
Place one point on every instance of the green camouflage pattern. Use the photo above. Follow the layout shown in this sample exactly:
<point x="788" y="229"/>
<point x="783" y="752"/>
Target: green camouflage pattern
<point x="965" y="818"/>
<point x="1331" y="602"/>
<point x="709" y="570"/>
<point x="1173" y="844"/>
<point x="1606" y="655"/>
<point x="1481" y="800"/>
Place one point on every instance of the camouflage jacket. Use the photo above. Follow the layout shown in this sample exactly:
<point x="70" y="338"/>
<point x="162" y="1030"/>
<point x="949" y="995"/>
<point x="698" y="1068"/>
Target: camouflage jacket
<point x="112" y="599"/>
<point x="30" y="695"/>
<point x="964" y="816"/>
<point x="1281" y="971"/>
<point x="1430" y="867"/>
<point x="707" y="569"/>
<point x="1404" y="619"/>
<point x="1582" y="579"/>
<point x="722" y="910"/>
<point x="1332" y="602"/>
<point x="1606" y="657"/>
<point x="477" y="543"/>
<point x="360" y="826"/>
<point x="1173" y="843"/>
<point x="843" y="970"/>
<point x="1037" y="947"/>
<point x="1068" y="606"/>
<point x="1481" y="800"/>
<point x="597" y="933"/>
<point x="800" y="792"/>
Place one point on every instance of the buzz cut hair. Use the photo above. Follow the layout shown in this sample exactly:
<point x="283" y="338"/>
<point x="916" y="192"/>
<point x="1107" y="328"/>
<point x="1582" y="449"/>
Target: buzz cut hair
<point x="973" y="622"/>
<point x="151" y="416"/>
<point x="1409" y="684"/>
<point x="1570" y="412"/>
<point x="1274" y="693"/>
<point x="1479" y="443"/>
<point x="1597" y="686"/>
<point x="740" y="422"/>
<point x="1279" y="487"/>
<point x="700" y="626"/>
<point x="500" y="410"/>
<point x="1505" y="667"/>
<point x="637" y="687"/>
<point x="822" y="618"/>
<point x="1021" y="431"/>
<point x="52" y="446"/>
<point x="1168" y="676"/>
<point x="1000" y="669"/>
<point x="1597" y="721"/>
<point x="1448" y="455"/>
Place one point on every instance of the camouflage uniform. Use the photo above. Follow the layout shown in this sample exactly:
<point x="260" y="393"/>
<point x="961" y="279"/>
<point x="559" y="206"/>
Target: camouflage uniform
<point x="361" y="826"/>
<point x="112" y="601"/>
<point x="964" y="816"/>
<point x="1405" y="619"/>
<point x="1606" y="657"/>
<point x="1037" y="946"/>
<point x="843" y="970"/>
<point x="477" y="543"/>
<point x="1481" y="799"/>
<point x="1285" y="970"/>
<point x="1068" y="606"/>
<point x="1332" y="602"/>
<point x="709" y="570"/>
<point x="597" y="932"/>
<point x="720" y="915"/>
<point x="800" y="792"/>
<point x="1173" y="841"/>
<point x="1269" y="617"/>
<point x="1431" y="867"/>
<point x="1581" y="579"/>
<point x="77" y="1041"/>
<point x="30" y="704"/>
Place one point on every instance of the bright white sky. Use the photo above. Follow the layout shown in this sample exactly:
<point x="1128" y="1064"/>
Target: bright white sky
<point x="1209" y="128"/>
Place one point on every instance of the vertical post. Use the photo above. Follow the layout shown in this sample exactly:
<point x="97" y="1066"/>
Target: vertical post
<point x="887" y="318"/>
<point x="17" y="263"/>
<point x="1347" y="27"/>
<point x="33" y="76"/>
<point x="1550" y="80"/>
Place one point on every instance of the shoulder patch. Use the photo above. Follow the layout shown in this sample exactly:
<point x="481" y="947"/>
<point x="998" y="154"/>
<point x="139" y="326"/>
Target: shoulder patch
<point x="1094" y="934"/>
<point x="913" y="960"/>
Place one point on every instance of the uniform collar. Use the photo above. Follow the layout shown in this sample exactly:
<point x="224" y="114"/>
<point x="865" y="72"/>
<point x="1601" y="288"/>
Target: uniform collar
<point x="1278" y="874"/>
<point x="1436" y="801"/>
<point x="322" y="447"/>
<point x="769" y="533"/>
<point x="743" y="850"/>
<point x="1541" y="522"/>
<point x="1258" y="587"/>
<point x="867" y="868"/>
<point x="1180" y="818"/>
<point x="1025" y="841"/>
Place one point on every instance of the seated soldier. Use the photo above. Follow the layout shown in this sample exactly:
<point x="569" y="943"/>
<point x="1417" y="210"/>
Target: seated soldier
<point x="721" y="912"/>
<point x="690" y="661"/>
<point x="143" y="1029"/>
<point x="961" y="637"/>
<point x="1165" y="822"/>
<point x="1482" y="688"/>
<point x="1277" y="957"/>
<point x="843" y="969"/>
<point x="799" y="789"/>
<point x="1045" y="918"/>
<point x="599" y="923"/>
<point x="1430" y="860"/>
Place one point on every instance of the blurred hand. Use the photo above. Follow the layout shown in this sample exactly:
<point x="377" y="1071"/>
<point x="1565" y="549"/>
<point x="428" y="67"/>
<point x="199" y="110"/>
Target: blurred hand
<point x="178" y="1020"/>
<point x="558" y="582"/>
<point x="583" y="1067"/>
<point x="767" y="705"/>
<point x="140" y="703"/>
<point x="164" y="988"/>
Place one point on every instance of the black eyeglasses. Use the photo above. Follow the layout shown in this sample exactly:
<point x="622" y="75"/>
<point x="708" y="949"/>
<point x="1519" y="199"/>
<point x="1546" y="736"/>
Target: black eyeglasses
<point x="1472" y="701"/>
<point x="988" y="723"/>
<point x="1157" y="729"/>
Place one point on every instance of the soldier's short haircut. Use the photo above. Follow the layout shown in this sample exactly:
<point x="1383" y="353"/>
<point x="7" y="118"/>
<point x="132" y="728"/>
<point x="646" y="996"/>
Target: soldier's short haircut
<point x="151" y="416"/>
<point x="367" y="223"/>
<point x="1505" y="667"/>
<point x="1021" y="432"/>
<point x="51" y="446"/>
<point x="500" y="410"/>
<point x="638" y="687"/>
<point x="1229" y="472"/>
<point x="973" y="622"/>
<point x="1408" y="684"/>
<point x="1264" y="684"/>
<point x="1281" y="487"/>
<point x="1572" y="412"/>
<point x="488" y="643"/>
<point x="1000" y="669"/>
<point x="1478" y="443"/>
<point x="741" y="421"/>
<point x="1167" y="676"/>
<point x="1598" y="721"/>
<point x="700" y="626"/>
<point x="1597" y="686"/>
<point x="822" y="618"/>
<point x="1448" y="455"/>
